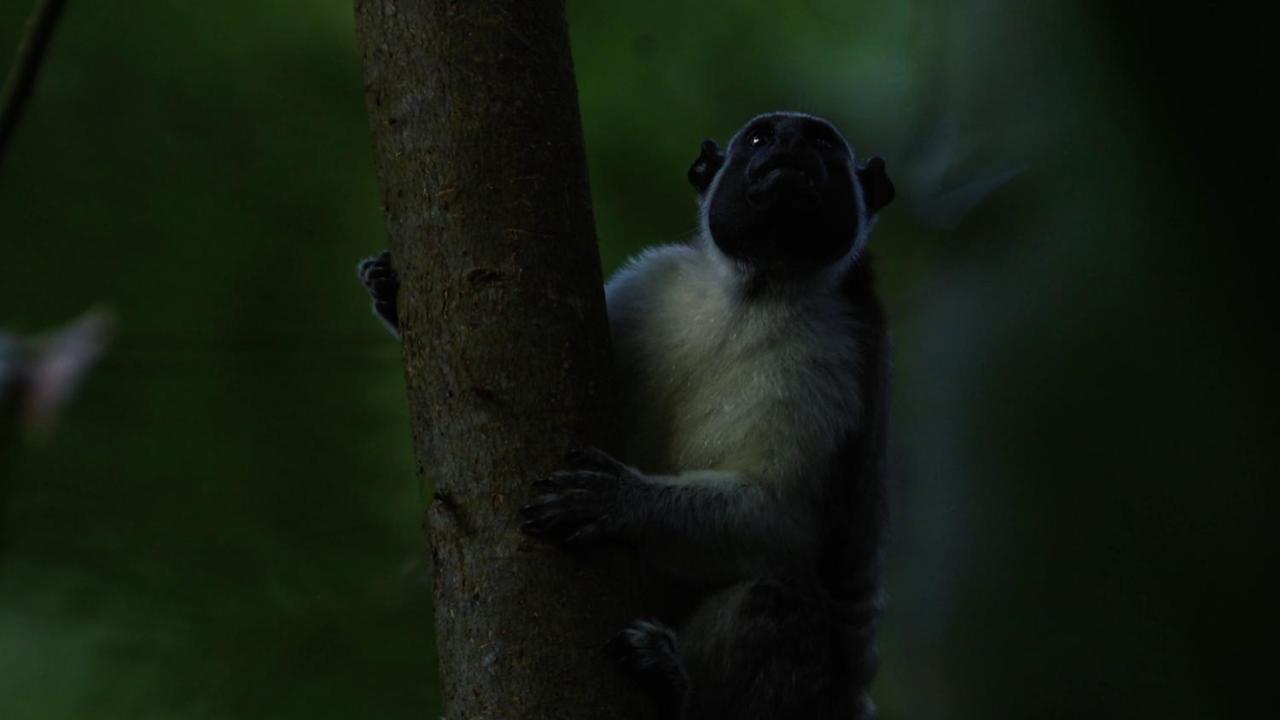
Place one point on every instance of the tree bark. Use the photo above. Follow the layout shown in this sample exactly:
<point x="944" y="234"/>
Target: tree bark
<point x="22" y="76"/>
<point x="478" y="146"/>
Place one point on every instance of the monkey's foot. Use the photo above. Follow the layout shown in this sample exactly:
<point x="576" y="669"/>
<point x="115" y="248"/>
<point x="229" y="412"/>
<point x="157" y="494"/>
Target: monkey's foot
<point x="647" y="650"/>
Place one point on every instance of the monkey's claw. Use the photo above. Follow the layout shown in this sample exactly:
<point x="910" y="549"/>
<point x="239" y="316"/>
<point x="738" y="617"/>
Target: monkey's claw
<point x="576" y="506"/>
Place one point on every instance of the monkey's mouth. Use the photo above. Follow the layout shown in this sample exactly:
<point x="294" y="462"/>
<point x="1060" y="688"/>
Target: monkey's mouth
<point x="784" y="185"/>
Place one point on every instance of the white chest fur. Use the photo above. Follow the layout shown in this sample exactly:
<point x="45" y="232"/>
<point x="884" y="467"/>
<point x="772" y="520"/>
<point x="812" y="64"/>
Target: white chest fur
<point x="712" y="380"/>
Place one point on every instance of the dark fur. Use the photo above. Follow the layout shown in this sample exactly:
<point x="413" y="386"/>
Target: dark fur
<point x="382" y="284"/>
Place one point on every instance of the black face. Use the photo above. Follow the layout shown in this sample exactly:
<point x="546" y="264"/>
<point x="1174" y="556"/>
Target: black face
<point x="786" y="192"/>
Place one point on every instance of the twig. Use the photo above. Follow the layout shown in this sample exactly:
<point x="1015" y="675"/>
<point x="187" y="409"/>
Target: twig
<point x="17" y="87"/>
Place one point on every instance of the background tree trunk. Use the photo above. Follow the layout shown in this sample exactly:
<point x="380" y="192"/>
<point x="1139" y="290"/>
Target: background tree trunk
<point x="478" y="145"/>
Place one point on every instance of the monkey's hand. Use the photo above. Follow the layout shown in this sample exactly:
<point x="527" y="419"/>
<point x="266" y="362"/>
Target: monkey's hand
<point x="381" y="282"/>
<point x="583" y="504"/>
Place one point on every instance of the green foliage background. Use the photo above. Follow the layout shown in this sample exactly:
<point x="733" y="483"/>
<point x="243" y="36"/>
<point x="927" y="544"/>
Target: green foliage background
<point x="1079" y="268"/>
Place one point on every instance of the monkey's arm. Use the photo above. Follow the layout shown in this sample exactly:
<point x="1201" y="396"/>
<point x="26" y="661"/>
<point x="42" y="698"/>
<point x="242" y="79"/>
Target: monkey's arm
<point x="382" y="283"/>
<point x="703" y="526"/>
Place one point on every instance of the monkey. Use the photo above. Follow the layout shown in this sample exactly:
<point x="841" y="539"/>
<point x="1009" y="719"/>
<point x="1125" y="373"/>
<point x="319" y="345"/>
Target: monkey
<point x="752" y="368"/>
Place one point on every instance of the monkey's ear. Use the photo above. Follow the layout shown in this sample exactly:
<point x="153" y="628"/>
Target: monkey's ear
<point x="704" y="169"/>
<point x="877" y="189"/>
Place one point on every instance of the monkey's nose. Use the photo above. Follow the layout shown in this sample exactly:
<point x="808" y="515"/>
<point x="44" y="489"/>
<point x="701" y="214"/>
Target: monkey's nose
<point x="794" y="169"/>
<point x="784" y="184"/>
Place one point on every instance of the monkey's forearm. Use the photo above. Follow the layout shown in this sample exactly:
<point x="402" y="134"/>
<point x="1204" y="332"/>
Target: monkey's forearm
<point x="705" y="526"/>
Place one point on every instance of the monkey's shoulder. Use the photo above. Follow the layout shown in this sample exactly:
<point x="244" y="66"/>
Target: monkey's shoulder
<point x="690" y="299"/>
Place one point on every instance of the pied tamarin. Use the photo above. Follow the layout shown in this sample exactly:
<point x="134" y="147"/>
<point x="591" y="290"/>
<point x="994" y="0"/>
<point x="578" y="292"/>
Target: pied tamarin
<point x="752" y="367"/>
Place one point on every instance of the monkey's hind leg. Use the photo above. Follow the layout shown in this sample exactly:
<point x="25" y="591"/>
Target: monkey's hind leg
<point x="770" y="649"/>
<point x="646" y="649"/>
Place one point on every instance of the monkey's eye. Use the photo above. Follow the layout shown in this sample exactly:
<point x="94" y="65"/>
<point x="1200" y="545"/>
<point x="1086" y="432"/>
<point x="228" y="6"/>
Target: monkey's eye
<point x="758" y="138"/>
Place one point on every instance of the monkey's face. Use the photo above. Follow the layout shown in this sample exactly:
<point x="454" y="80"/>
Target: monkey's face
<point x="788" y="192"/>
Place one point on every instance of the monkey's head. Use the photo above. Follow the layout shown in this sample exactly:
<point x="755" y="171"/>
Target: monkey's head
<point x="788" y="192"/>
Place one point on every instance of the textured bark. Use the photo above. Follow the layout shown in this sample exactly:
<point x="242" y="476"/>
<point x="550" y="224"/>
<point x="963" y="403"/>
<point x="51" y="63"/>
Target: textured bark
<point x="478" y="146"/>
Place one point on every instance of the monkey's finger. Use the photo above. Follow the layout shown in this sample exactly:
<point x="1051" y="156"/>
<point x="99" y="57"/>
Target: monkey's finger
<point x="383" y="287"/>
<point x="373" y="261"/>
<point x="380" y="261"/>
<point x="579" y="479"/>
<point x="534" y="529"/>
<point x="538" y="524"/>
<point x="545" y="484"/>
<point x="554" y="504"/>
<point x="554" y="527"/>
<point x="590" y="457"/>
<point x="541" y="504"/>
<point x="646" y="646"/>
<point x="587" y="533"/>
<point x="380" y="281"/>
<point x="624" y="648"/>
<point x="571" y="481"/>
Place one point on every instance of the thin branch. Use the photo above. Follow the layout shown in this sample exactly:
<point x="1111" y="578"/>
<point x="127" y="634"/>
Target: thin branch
<point x="17" y="87"/>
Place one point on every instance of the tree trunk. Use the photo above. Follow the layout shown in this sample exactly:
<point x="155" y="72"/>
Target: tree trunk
<point x="478" y="145"/>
